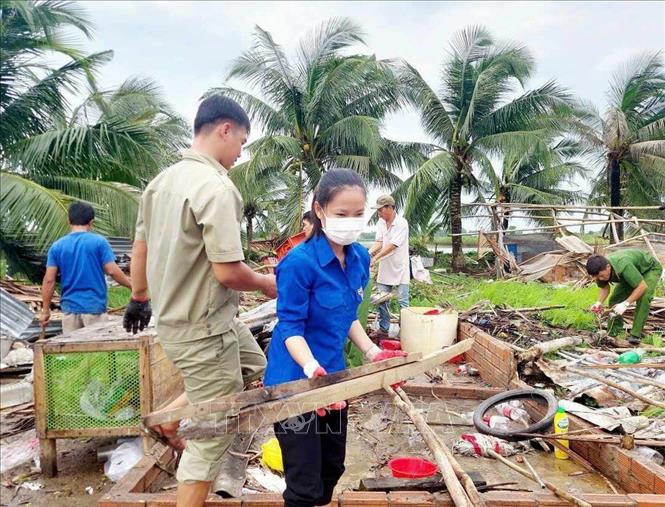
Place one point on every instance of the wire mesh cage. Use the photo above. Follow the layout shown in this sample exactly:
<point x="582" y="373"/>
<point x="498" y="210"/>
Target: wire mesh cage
<point x="92" y="389"/>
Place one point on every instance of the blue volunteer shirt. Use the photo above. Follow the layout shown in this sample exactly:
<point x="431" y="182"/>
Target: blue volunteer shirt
<point x="318" y="300"/>
<point x="80" y="258"/>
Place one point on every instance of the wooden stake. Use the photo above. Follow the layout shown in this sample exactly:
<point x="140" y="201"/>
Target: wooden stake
<point x="610" y="383"/>
<point x="450" y="477"/>
<point x="557" y="491"/>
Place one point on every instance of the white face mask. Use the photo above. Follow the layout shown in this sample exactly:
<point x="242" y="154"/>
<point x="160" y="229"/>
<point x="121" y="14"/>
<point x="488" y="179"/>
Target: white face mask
<point x="344" y="230"/>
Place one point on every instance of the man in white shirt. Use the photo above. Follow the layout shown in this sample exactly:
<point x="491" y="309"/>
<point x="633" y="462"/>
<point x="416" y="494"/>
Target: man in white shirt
<point x="391" y="251"/>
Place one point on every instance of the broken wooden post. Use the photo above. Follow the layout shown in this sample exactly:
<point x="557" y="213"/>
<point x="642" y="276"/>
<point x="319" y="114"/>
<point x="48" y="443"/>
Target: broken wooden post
<point x="247" y="419"/>
<point x="537" y="351"/>
<point x="554" y="489"/>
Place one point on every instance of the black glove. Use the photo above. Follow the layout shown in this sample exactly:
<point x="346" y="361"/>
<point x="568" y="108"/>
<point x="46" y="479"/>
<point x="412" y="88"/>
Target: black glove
<point x="137" y="316"/>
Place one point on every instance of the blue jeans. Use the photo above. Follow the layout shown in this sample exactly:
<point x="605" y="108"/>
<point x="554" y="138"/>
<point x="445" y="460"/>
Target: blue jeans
<point x="402" y="299"/>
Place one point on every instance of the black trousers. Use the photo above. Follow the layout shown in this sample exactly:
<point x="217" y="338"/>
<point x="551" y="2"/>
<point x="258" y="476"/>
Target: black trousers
<point x="313" y="451"/>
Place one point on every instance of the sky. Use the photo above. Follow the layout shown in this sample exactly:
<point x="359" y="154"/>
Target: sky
<point x="187" y="47"/>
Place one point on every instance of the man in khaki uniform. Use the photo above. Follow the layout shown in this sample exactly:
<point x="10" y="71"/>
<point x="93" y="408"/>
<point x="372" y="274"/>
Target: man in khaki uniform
<point x="188" y="251"/>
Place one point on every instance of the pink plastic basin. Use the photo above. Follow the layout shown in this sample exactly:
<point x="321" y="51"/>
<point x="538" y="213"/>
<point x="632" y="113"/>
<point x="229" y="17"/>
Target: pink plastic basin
<point x="411" y="468"/>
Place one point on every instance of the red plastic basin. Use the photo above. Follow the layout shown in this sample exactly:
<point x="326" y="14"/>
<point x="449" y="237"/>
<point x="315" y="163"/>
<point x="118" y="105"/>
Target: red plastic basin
<point x="390" y="344"/>
<point x="411" y="468"/>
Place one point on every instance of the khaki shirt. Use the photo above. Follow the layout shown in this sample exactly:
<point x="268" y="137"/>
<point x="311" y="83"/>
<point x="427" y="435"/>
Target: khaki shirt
<point x="189" y="216"/>
<point x="394" y="267"/>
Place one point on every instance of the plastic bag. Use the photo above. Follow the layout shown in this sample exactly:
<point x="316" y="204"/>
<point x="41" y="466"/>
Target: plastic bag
<point x="419" y="271"/>
<point x="123" y="458"/>
<point x="476" y="444"/>
<point x="107" y="403"/>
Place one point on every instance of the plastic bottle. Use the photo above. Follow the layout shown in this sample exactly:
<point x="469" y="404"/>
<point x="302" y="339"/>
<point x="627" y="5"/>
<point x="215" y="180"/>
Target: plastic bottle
<point x="513" y="413"/>
<point x="561" y="423"/>
<point x="497" y="422"/>
<point x="631" y="356"/>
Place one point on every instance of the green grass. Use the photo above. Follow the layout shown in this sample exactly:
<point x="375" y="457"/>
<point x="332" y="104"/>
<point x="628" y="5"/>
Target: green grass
<point x="462" y="292"/>
<point x="118" y="297"/>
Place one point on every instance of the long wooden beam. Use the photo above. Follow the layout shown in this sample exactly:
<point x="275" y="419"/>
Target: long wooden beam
<point x="237" y="401"/>
<point x="256" y="416"/>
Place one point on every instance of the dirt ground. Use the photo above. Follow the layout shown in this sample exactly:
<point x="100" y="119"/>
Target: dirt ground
<point x="78" y="468"/>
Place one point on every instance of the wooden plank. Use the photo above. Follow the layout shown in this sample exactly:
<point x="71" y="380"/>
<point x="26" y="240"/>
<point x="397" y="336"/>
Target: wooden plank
<point x="57" y="348"/>
<point x="128" y="431"/>
<point x="244" y="399"/>
<point x="39" y="386"/>
<point x="167" y="382"/>
<point x="145" y="384"/>
<point x="451" y="391"/>
<point x="254" y="417"/>
<point x="48" y="457"/>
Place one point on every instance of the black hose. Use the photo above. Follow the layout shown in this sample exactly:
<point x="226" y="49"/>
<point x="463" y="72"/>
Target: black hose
<point x="542" y="426"/>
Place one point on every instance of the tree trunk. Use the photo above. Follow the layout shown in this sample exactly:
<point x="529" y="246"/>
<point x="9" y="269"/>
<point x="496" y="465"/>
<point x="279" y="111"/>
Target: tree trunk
<point x="456" y="219"/>
<point x="250" y="233"/>
<point x="615" y="191"/>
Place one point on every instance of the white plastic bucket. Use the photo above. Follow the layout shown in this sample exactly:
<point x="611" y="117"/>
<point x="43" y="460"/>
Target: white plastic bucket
<point x="427" y="333"/>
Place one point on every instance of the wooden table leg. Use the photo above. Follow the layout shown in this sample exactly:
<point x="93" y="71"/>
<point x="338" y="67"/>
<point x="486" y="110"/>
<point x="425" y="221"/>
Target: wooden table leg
<point x="48" y="457"/>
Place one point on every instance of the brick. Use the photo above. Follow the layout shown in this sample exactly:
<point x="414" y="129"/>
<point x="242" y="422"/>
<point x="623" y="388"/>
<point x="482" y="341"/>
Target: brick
<point x="659" y="484"/>
<point x="263" y="500"/>
<point x="410" y="498"/>
<point x="645" y="476"/>
<point x="630" y="483"/>
<point x="623" y="461"/>
<point x="363" y="498"/>
<point x="443" y="500"/>
<point x="608" y="500"/>
<point x="509" y="499"/>
<point x="548" y="500"/>
<point x="648" y="500"/>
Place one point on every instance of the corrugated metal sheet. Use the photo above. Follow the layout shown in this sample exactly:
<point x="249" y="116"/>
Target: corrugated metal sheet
<point x="15" y="316"/>
<point x="19" y="323"/>
<point x="120" y="246"/>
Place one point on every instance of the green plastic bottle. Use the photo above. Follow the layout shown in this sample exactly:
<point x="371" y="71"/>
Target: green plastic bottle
<point x="631" y="356"/>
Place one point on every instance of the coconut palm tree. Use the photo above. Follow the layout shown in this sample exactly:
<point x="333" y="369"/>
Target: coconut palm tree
<point x="471" y="119"/>
<point x="543" y="173"/>
<point x="101" y="150"/>
<point x="630" y="137"/>
<point x="320" y="109"/>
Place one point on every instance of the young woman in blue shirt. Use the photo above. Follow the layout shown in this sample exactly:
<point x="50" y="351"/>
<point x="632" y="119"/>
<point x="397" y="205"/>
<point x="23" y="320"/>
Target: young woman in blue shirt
<point x="320" y="286"/>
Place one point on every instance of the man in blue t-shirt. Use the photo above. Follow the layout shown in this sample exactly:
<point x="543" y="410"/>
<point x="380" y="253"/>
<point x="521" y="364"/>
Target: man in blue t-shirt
<point x="82" y="257"/>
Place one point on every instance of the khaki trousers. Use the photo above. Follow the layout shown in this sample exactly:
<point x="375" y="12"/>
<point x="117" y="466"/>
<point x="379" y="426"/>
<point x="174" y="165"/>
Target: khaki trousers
<point x="73" y="321"/>
<point x="213" y="366"/>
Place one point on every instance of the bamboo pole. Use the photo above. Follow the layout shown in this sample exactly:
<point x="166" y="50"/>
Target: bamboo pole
<point x="460" y="496"/>
<point x="554" y="489"/>
<point x="619" y="366"/>
<point x="555" y="206"/>
<point x="535" y="474"/>
<point x="623" y="375"/>
<point x="466" y="480"/>
<point x="610" y="383"/>
<point x="549" y="227"/>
